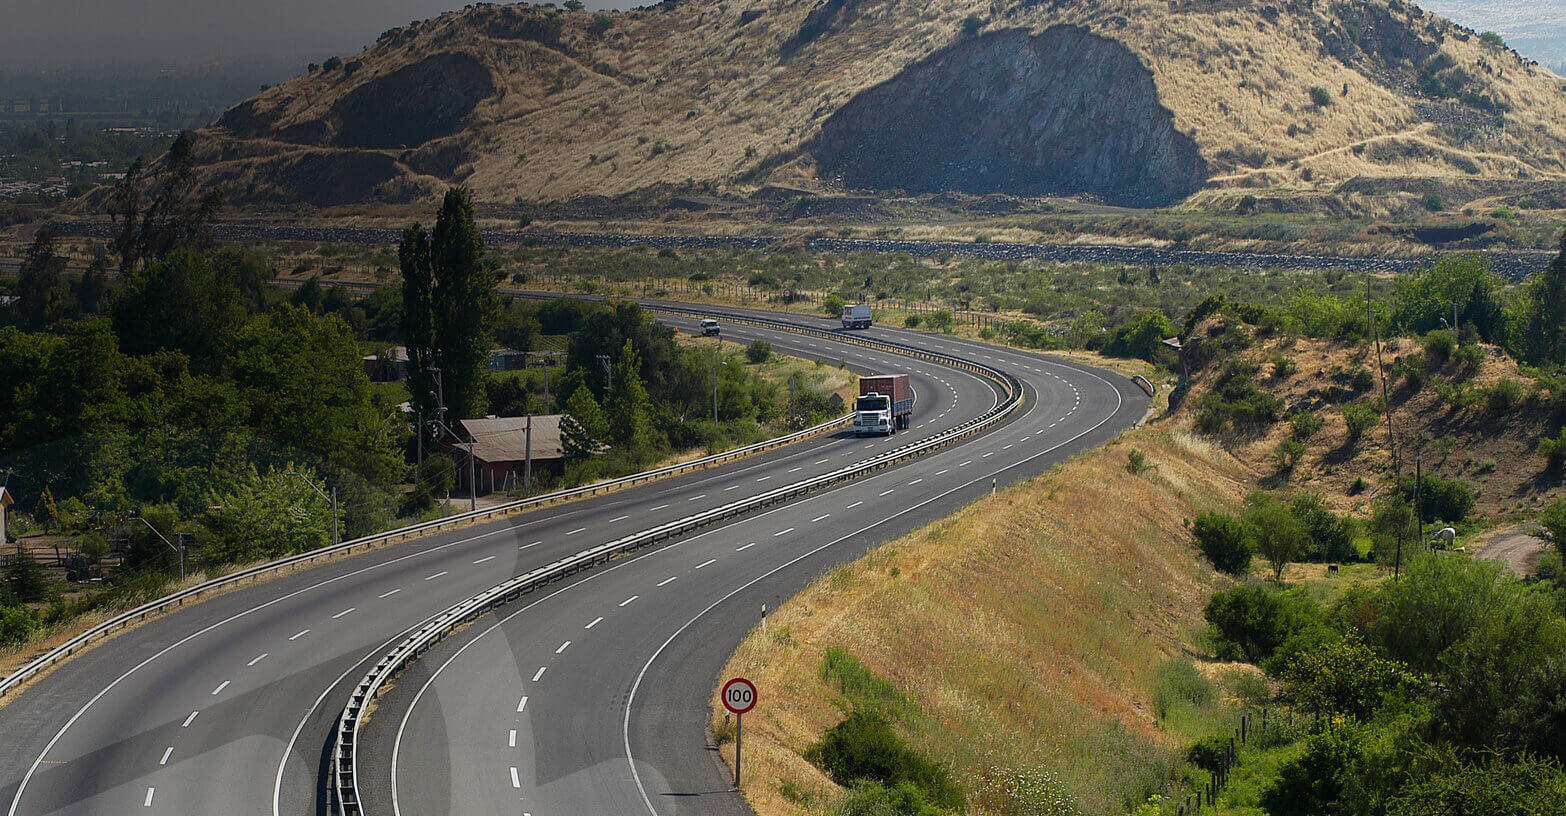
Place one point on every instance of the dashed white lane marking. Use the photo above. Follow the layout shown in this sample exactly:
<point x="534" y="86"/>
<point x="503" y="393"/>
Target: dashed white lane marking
<point x="521" y="704"/>
<point x="389" y="594"/>
<point x="563" y="647"/>
<point x="221" y="686"/>
<point x="437" y="575"/>
<point x="987" y="455"/>
<point x="795" y="470"/>
<point x="515" y="781"/>
<point x="350" y="610"/>
<point x="539" y="674"/>
<point x="783" y="532"/>
<point x="298" y="636"/>
<point x="596" y="621"/>
<point x="764" y="478"/>
<point x="659" y="507"/>
<point x="511" y="741"/>
<point x="258" y="658"/>
<point x="534" y="544"/>
<point x="628" y="601"/>
<point x="965" y="464"/>
<point x="746" y="547"/>
<point x="732" y="487"/>
<point x="189" y="720"/>
<point x="852" y="506"/>
<point x="620" y="518"/>
<point x="668" y="580"/>
<point x="914" y="482"/>
<point x="697" y="498"/>
<point x="486" y="559"/>
<point x="148" y="801"/>
<point x="167" y="752"/>
<point x="822" y="462"/>
<point x="709" y="562"/>
<point x="577" y="530"/>
<point x="1008" y="447"/>
<point x="818" y="518"/>
<point x="944" y="472"/>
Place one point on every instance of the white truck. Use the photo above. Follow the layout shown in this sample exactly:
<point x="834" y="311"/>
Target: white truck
<point x="856" y="316"/>
<point x="884" y="406"/>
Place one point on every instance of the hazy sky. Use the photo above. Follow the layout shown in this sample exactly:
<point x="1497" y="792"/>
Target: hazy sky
<point x="51" y="33"/>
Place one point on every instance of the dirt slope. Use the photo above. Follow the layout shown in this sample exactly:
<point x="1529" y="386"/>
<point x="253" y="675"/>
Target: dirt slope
<point x="1128" y="101"/>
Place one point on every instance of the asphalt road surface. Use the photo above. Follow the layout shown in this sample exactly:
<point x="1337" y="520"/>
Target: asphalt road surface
<point x="227" y="707"/>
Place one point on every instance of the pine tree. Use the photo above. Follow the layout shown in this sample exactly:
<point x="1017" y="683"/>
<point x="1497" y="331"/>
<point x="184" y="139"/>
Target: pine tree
<point x="584" y="428"/>
<point x="630" y="420"/>
<point x="25" y="578"/>
<point x="1546" y="333"/>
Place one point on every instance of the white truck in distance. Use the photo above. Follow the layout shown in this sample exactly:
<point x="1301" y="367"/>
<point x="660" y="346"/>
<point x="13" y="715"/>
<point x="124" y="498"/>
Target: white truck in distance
<point x="856" y="316"/>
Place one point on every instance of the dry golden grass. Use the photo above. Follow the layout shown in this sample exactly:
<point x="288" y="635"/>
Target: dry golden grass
<point x="1026" y="629"/>
<point x="687" y="93"/>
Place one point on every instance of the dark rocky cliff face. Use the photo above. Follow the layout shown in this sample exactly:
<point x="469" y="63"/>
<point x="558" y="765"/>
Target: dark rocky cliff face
<point x="1064" y="112"/>
<point x="414" y="104"/>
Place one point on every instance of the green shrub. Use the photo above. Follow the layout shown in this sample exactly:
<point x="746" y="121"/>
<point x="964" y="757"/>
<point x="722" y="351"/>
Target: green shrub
<point x="1470" y="355"/>
<point x="1320" y="97"/>
<point x="1209" y="752"/>
<point x="1252" y="622"/>
<point x="912" y="321"/>
<point x="1439" y="346"/>
<point x="865" y="689"/>
<point x="1288" y="455"/>
<point x="1361" y="380"/>
<point x="833" y="305"/>
<point x="869" y="798"/>
<point x="1136" y="462"/>
<point x="1344" y="677"/>
<point x="1282" y="367"/>
<point x="1305" y="424"/>
<point x="1235" y="401"/>
<point x="1440" y="499"/>
<point x="1504" y="396"/>
<point x="759" y="351"/>
<point x="17" y="624"/>
<point x="864" y="747"/>
<point x="942" y="321"/>
<point x="1553" y="451"/>
<point x="1359" y="417"/>
<point x="1312" y="783"/>
<point x="1432" y="202"/>
<point x="1224" y="541"/>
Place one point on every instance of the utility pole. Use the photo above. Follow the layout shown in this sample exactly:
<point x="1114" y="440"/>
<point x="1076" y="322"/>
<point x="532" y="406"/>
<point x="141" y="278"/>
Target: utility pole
<point x="715" y="392"/>
<point x="1386" y="399"/>
<point x="1419" y="507"/>
<point x="608" y="363"/>
<point x="527" y="461"/>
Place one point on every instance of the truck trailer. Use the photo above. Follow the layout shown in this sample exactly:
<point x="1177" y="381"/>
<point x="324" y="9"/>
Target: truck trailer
<point x="856" y="316"/>
<point x="884" y="406"/>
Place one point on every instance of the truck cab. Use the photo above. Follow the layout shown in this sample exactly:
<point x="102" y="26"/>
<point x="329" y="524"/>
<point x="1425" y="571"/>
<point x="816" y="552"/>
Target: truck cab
<point x="873" y="416"/>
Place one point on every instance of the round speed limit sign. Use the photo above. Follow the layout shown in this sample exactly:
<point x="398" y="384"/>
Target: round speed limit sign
<point x="739" y="695"/>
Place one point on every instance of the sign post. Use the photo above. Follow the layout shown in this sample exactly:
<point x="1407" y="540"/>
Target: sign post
<point x="739" y="696"/>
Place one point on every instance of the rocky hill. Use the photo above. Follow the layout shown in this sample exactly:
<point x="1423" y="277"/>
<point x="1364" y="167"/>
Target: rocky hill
<point x="1138" y="102"/>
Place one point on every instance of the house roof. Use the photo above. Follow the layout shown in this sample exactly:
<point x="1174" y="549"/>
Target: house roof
<point x="5" y="497"/>
<point x="504" y="439"/>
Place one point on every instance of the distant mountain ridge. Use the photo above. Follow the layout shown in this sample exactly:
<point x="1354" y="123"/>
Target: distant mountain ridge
<point x="1311" y="103"/>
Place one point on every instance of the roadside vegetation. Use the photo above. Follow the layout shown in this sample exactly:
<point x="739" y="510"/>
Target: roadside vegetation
<point x="185" y="417"/>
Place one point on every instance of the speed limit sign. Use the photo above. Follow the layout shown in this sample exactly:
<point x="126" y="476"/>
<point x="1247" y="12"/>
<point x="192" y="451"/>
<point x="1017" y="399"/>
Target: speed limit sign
<point x="739" y="695"/>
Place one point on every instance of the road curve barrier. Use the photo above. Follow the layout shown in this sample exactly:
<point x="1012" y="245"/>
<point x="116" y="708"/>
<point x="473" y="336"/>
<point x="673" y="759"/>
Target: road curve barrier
<point x="342" y="782"/>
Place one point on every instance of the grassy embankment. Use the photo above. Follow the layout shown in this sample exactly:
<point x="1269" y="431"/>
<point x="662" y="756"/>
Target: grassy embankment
<point x="1032" y="631"/>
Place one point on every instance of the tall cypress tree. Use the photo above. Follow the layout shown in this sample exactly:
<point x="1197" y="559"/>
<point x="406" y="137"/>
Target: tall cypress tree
<point x="1547" y="320"/>
<point x="449" y="308"/>
<point x="630" y="409"/>
<point x="418" y="326"/>
<point x="464" y="304"/>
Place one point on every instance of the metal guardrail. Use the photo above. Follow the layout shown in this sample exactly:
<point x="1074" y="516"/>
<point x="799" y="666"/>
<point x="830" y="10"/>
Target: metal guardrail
<point x="343" y="781"/>
<point x="1145" y="384"/>
<point x="178" y="599"/>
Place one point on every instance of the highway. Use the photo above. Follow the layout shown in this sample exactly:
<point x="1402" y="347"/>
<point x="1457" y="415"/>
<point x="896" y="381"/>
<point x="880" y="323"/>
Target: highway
<point x="228" y="706"/>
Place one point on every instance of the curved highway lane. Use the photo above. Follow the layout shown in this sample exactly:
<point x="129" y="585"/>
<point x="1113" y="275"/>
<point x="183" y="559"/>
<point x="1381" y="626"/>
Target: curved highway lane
<point x="593" y="698"/>
<point x="227" y="707"/>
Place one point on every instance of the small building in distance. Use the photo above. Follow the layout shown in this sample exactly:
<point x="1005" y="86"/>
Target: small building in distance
<point x="504" y="359"/>
<point x="390" y="365"/>
<point x="500" y="451"/>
